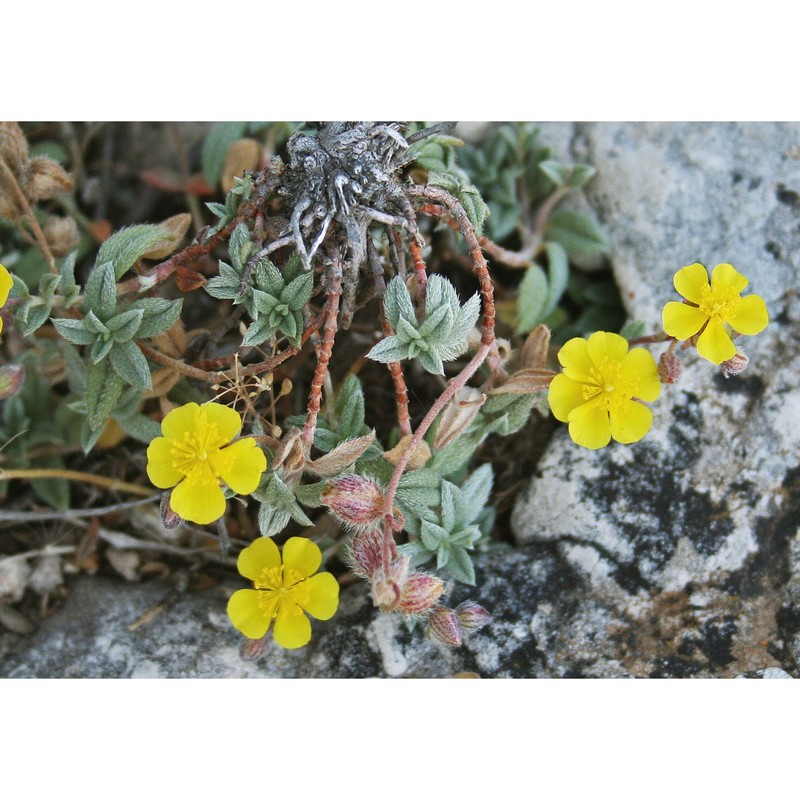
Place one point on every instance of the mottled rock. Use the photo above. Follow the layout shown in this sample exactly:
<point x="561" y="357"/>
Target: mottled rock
<point x="690" y="535"/>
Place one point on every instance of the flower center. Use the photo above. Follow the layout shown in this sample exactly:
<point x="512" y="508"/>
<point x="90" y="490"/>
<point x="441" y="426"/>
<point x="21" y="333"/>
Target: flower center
<point x="720" y="304"/>
<point x="607" y="384"/>
<point x="282" y="587"/>
<point x="191" y="452"/>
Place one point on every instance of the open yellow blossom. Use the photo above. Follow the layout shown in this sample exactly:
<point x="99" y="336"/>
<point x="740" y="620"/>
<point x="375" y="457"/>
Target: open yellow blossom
<point x="194" y="455"/>
<point x="598" y="391"/>
<point x="283" y="592"/>
<point x="710" y="306"/>
<point x="6" y="282"/>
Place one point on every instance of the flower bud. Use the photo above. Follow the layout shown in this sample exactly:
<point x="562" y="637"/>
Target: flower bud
<point x="169" y="519"/>
<point x="472" y="616"/>
<point x="354" y="500"/>
<point x="444" y="625"/>
<point x="253" y="649"/>
<point x="366" y="552"/>
<point x="13" y="146"/>
<point x="45" y="179"/>
<point x="736" y="365"/>
<point x="12" y="376"/>
<point x="387" y="588"/>
<point x="669" y="367"/>
<point x="61" y="234"/>
<point x="419" y="593"/>
<point x="457" y="415"/>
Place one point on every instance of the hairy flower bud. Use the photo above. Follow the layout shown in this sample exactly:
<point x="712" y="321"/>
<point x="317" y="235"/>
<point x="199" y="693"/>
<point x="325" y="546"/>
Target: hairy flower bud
<point x="669" y="367"/>
<point x="366" y="552"/>
<point x="419" y="593"/>
<point x="736" y="365"/>
<point x="169" y="519"/>
<point x="45" y="179"/>
<point x="354" y="500"/>
<point x="472" y="616"/>
<point x="445" y="626"/>
<point x="387" y="588"/>
<point x="13" y="146"/>
<point x="61" y="234"/>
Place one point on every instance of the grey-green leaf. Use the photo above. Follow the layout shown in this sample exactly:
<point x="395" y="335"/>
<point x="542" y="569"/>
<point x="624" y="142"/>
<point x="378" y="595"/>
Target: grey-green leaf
<point x="532" y="299"/>
<point x="124" y="326"/>
<point x="577" y="233"/>
<point x="74" y="330"/>
<point x="129" y="363"/>
<point x="101" y="290"/>
<point x="125" y="247"/>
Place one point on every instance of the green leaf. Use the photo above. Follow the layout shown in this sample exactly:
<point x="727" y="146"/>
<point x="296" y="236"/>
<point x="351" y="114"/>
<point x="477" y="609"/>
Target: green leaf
<point x="74" y="330"/>
<point x="129" y="363"/>
<point x="350" y="408"/>
<point x="140" y="427"/>
<point x="124" y="326"/>
<point x="125" y="247"/>
<point x="215" y="148"/>
<point x="258" y="332"/>
<point x="633" y="329"/>
<point x="476" y="490"/>
<point x="580" y="174"/>
<point x="397" y="302"/>
<point x="54" y="491"/>
<point x="577" y="233"/>
<point x="101" y="290"/>
<point x="240" y="247"/>
<point x="36" y="317"/>
<point x="556" y="171"/>
<point x="89" y="436"/>
<point x="532" y="298"/>
<point x="558" y="274"/>
<point x="460" y="566"/>
<point x="268" y="278"/>
<point x="100" y="349"/>
<point x="298" y="292"/>
<point x="159" y="315"/>
<point x="103" y="389"/>
<point x="66" y="271"/>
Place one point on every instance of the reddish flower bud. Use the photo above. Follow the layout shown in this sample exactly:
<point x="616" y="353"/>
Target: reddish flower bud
<point x="354" y="500"/>
<point x="472" y="616"/>
<point x="669" y="367"/>
<point x="736" y="365"/>
<point x="253" y="649"/>
<point x="169" y="519"/>
<point x="444" y="625"/>
<point x="366" y="552"/>
<point x="387" y="589"/>
<point x="419" y="593"/>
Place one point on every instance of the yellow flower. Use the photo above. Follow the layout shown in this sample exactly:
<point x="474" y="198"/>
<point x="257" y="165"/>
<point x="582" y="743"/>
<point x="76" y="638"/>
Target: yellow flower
<point x="596" y="391"/>
<point x="712" y="305"/>
<point x="6" y="282"/>
<point x="192" y="457"/>
<point x="283" y="592"/>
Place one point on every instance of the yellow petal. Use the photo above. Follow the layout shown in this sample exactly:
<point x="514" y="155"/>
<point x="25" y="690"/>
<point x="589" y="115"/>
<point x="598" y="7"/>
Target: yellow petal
<point x="751" y="316"/>
<point x="240" y="465"/>
<point x="301" y="554"/>
<point x="563" y="395"/>
<point x="725" y="276"/>
<point x="227" y="421"/>
<point x="198" y="500"/>
<point x="260" y="555"/>
<point x="324" y="591"/>
<point x="589" y="425"/>
<point x="160" y="469"/>
<point x="630" y="422"/>
<point x="690" y="282"/>
<point x="603" y="346"/>
<point x="639" y="369"/>
<point x="292" y="628"/>
<point x="247" y="615"/>
<point x="574" y="357"/>
<point x="682" y="321"/>
<point x="1" y="324"/>
<point x="6" y="282"/>
<point x="714" y="343"/>
<point x="180" y="420"/>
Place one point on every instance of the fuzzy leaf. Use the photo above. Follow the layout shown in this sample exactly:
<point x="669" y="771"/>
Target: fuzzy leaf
<point x="100" y="349"/>
<point x="215" y="148"/>
<point x="159" y="315"/>
<point x="36" y="317"/>
<point x="124" y="326"/>
<point x="349" y="408"/>
<point x="341" y="457"/>
<point x="532" y="299"/>
<point x="459" y="566"/>
<point x="298" y="292"/>
<point x="240" y="247"/>
<point x="103" y="389"/>
<point x="74" y="330"/>
<point x="633" y="330"/>
<point x="125" y="247"/>
<point x="557" y="273"/>
<point x="268" y="278"/>
<point x="140" y="427"/>
<point x="397" y="303"/>
<point x="476" y="490"/>
<point x="101" y="290"/>
<point x="554" y="170"/>
<point x="129" y="363"/>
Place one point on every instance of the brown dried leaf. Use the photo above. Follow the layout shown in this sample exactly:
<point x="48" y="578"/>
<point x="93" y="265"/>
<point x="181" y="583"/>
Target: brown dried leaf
<point x="525" y="381"/>
<point x="12" y="377"/>
<point x="61" y="234"/>
<point x="44" y="179"/>
<point x="175" y="228"/>
<point x="536" y="347"/>
<point x="341" y="457"/>
<point x="172" y="342"/>
<point x="13" y="146"/>
<point x="457" y="415"/>
<point x="419" y="457"/>
<point x="243" y="154"/>
<point x="188" y="279"/>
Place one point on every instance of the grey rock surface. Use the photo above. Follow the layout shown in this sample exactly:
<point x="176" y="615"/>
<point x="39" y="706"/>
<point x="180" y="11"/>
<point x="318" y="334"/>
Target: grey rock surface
<point x="691" y="535"/>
